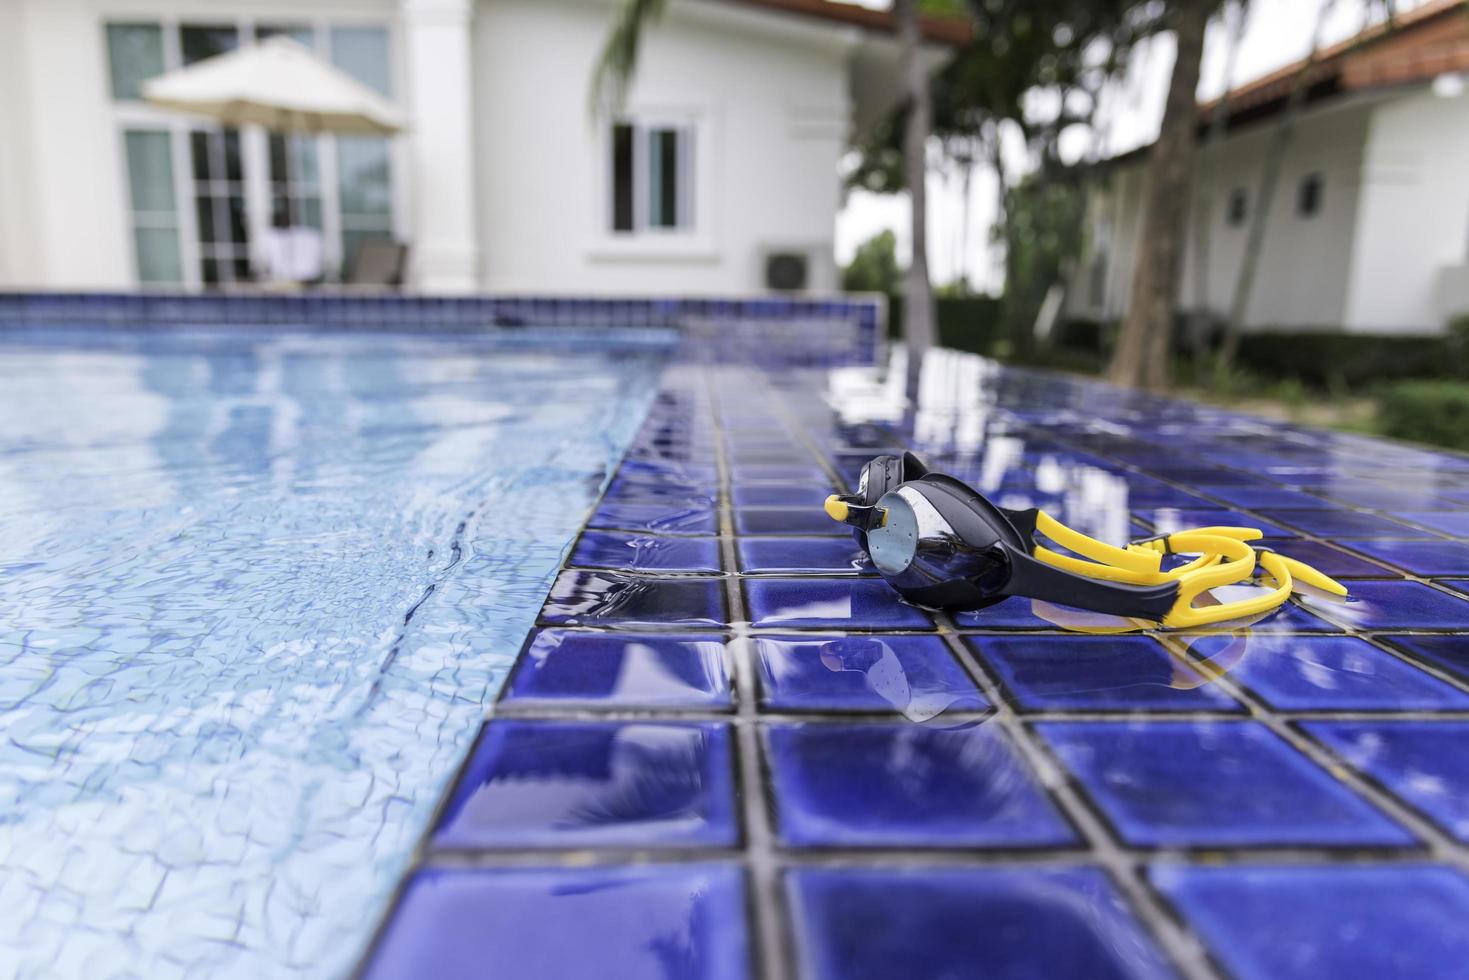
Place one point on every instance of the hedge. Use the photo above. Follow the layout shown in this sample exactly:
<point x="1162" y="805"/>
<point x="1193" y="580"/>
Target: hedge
<point x="1435" y="412"/>
<point x="971" y="324"/>
<point x="1325" y="359"/>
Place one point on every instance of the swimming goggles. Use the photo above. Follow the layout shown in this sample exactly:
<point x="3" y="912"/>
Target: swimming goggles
<point x="941" y="544"/>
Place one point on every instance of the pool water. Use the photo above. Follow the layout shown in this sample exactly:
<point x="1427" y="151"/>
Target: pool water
<point x="256" y="590"/>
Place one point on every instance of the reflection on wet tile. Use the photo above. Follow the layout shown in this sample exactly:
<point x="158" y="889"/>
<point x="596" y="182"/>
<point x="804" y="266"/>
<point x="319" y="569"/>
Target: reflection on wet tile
<point x="849" y="603"/>
<point x="1326" y="559"/>
<point x="1448" y="652"/>
<point x="1342" y="673"/>
<point x="642" y="552"/>
<point x="1303" y="922"/>
<point x="684" y="921"/>
<point x="1393" y="605"/>
<point x="788" y="520"/>
<point x="1347" y="524"/>
<point x="1426" y="558"/>
<point x="805" y="496"/>
<point x="1097" y="673"/>
<point x="1168" y="520"/>
<point x="620" y="669"/>
<point x="585" y="784"/>
<point x="662" y="518"/>
<point x="1451" y="522"/>
<point x="611" y="599"/>
<point x="915" y="676"/>
<point x="922" y="922"/>
<point x="1213" y="784"/>
<point x="1020" y="613"/>
<point x="903" y="785"/>
<point x="1422" y="762"/>
<point x="803" y="555"/>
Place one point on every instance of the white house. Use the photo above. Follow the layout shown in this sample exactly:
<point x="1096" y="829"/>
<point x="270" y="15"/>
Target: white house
<point x="721" y="175"/>
<point x="1368" y="230"/>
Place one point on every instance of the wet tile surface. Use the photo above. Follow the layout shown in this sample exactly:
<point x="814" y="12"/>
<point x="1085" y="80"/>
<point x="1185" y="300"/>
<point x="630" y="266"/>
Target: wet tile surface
<point x="570" y="784"/>
<point x="863" y="923"/>
<point x="679" y="922"/>
<point x="1294" y="923"/>
<point x="906" y="786"/>
<point x="886" y="778"/>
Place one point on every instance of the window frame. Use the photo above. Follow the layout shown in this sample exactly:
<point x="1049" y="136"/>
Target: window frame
<point x="130" y="114"/>
<point x="695" y="241"/>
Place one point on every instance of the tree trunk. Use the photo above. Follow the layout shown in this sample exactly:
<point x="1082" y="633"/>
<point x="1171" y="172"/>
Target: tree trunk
<point x="1141" y="358"/>
<point x="1265" y="198"/>
<point x="918" y="312"/>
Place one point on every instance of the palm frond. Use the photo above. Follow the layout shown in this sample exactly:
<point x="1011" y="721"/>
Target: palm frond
<point x="619" y="58"/>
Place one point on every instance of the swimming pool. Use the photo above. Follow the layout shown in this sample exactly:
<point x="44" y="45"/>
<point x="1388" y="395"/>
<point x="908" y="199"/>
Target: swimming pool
<point x="257" y="588"/>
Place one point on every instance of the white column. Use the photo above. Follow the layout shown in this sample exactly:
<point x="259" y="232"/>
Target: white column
<point x="445" y="242"/>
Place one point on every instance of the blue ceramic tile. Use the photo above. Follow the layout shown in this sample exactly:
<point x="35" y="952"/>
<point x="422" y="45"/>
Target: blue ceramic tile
<point x="916" y="676"/>
<point x="1167" y="520"/>
<point x="903" y="785"/>
<point x="858" y="603"/>
<point x="1421" y="762"/>
<point x="803" y="555"/>
<point x="879" y="923"/>
<point x="1100" y="673"/>
<point x="802" y="496"/>
<point x="1326" y="673"/>
<point x="1346" y="524"/>
<point x="582" y="598"/>
<point x="592" y="784"/>
<point x="1449" y="652"/>
<point x="1426" y="558"/>
<point x="788" y="520"/>
<point x="787" y="474"/>
<point x="1460" y="586"/>
<point x="621" y="670"/>
<point x="1451" y="522"/>
<point x="1341" y="921"/>
<point x="642" y="552"/>
<point x="679" y="922"/>
<point x="1287" y="618"/>
<point x="1393" y="605"/>
<point x="660" y="517"/>
<point x="1326" y="559"/>
<point x="1213" y="784"/>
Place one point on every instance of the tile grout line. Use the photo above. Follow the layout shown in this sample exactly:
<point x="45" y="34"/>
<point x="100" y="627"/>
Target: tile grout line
<point x="768" y="941"/>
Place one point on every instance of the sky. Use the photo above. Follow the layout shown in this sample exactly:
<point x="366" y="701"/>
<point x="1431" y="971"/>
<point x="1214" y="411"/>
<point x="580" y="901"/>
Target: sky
<point x="1276" y="33"/>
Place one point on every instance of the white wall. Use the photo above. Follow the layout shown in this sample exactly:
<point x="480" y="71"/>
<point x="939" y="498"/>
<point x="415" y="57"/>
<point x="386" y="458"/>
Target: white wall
<point x="770" y="93"/>
<point x="1302" y="277"/>
<point x="61" y="174"/>
<point x="1413" y="236"/>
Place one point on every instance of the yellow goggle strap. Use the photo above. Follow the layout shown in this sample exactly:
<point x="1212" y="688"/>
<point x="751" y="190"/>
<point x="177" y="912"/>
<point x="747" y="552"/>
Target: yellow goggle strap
<point x="1223" y="558"/>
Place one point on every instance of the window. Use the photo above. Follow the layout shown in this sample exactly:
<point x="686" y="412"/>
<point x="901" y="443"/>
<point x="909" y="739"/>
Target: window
<point x="219" y="206"/>
<point x="199" y="42"/>
<point x="134" y="53"/>
<point x="362" y="52"/>
<point x="365" y="175"/>
<point x="201" y="196"/>
<point x="154" y="212"/>
<point x="1238" y="207"/>
<point x="652" y="178"/>
<point x="1308" y="195"/>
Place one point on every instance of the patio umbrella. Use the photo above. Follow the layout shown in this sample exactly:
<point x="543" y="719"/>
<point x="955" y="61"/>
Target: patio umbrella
<point x="279" y="84"/>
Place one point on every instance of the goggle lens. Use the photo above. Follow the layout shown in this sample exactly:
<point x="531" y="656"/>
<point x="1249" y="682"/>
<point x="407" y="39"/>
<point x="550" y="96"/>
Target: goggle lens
<point x="892" y="539"/>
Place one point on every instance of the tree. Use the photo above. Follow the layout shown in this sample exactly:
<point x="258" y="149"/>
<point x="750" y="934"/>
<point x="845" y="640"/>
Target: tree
<point x="1144" y="344"/>
<point x="874" y="267"/>
<point x="918" y="311"/>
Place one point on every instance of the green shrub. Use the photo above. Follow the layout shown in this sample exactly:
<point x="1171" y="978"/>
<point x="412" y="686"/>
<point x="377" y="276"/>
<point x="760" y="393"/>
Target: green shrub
<point x="971" y="323"/>
<point x="1344" y="360"/>
<point x="1435" y="412"/>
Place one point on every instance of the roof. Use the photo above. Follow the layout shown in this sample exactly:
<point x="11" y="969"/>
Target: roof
<point x="1415" y="46"/>
<point x="954" y="31"/>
